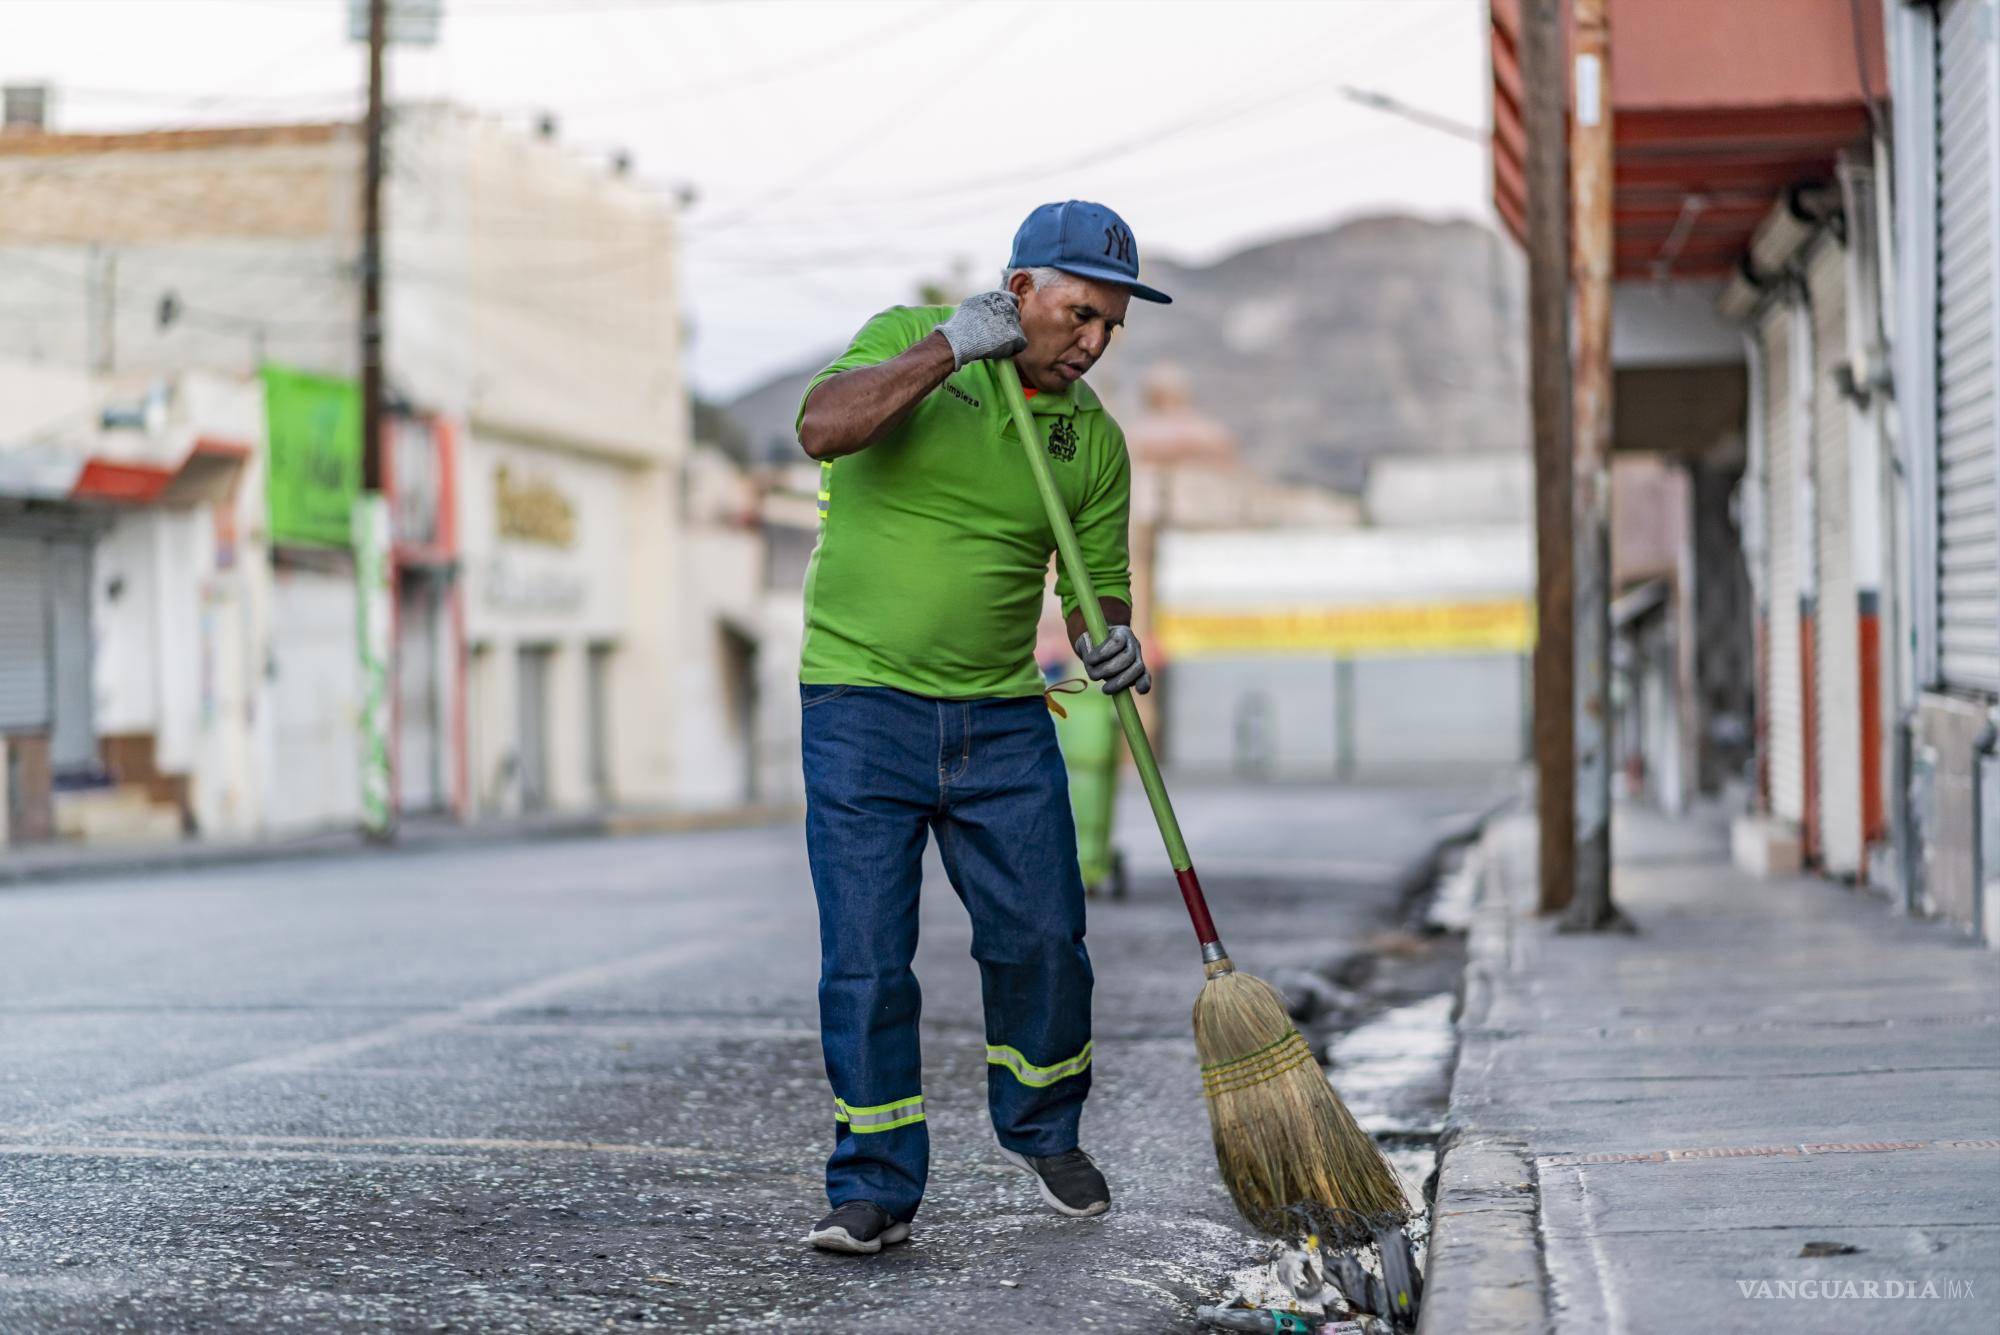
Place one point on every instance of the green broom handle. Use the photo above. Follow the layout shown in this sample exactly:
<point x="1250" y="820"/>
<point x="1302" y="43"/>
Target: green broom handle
<point x="1093" y="620"/>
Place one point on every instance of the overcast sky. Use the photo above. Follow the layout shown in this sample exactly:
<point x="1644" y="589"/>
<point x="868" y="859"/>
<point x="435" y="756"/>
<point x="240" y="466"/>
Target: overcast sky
<point x="842" y="152"/>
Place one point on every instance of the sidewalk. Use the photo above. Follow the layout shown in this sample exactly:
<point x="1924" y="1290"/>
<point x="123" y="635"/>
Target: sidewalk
<point x="1670" y="1131"/>
<point x="65" y="861"/>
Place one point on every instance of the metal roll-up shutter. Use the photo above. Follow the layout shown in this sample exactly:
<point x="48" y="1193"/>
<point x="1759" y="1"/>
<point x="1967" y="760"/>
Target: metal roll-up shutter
<point x="315" y="696"/>
<point x="1968" y="329"/>
<point x="24" y="635"/>
<point x="72" y="694"/>
<point x="1837" y="619"/>
<point x="1785" y="730"/>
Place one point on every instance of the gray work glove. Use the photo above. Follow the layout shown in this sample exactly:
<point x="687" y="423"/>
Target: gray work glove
<point x="1117" y="663"/>
<point x="985" y="325"/>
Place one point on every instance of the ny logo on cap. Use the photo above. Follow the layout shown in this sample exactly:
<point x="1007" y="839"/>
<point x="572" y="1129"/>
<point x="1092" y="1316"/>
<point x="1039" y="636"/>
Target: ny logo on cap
<point x="1118" y="243"/>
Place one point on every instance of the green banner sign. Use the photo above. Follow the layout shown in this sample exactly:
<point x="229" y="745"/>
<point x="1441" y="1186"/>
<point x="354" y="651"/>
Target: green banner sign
<point x="314" y="470"/>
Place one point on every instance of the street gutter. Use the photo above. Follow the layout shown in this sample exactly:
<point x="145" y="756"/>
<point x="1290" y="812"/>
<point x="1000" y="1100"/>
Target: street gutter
<point x="1287" y="1275"/>
<point x="1485" y="1268"/>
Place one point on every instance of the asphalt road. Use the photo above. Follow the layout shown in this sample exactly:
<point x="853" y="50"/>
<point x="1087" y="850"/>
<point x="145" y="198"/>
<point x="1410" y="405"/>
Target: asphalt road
<point x="568" y="1086"/>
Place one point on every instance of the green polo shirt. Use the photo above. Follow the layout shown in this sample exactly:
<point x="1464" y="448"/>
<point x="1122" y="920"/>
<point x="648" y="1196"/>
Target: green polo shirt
<point x="934" y="549"/>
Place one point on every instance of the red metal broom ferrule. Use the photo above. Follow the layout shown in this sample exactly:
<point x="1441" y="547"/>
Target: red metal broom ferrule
<point x="1197" y="907"/>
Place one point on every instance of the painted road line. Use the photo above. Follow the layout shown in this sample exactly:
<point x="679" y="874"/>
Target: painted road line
<point x="184" y="1152"/>
<point x="112" y="1139"/>
<point x="315" y="1056"/>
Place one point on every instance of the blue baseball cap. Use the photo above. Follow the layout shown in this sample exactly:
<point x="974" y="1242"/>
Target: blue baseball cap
<point x="1084" y="239"/>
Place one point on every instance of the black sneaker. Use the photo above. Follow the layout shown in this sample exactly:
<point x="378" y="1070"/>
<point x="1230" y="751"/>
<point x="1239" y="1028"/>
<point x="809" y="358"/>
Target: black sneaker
<point x="860" y="1228"/>
<point x="1069" y="1181"/>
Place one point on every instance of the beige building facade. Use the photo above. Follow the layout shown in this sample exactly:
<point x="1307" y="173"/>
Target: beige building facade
<point x="533" y="351"/>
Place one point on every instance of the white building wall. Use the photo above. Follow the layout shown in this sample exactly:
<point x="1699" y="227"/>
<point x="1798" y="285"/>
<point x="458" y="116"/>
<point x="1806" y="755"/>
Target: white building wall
<point x="490" y="724"/>
<point x="1290" y="710"/>
<point x="717" y="747"/>
<point x="1670" y="324"/>
<point x="125" y="625"/>
<point x="610" y="584"/>
<point x="646" y="715"/>
<point x="183" y="553"/>
<point x="227" y="796"/>
<point x="534" y="298"/>
<point x="1837" y="651"/>
<point x="254" y="241"/>
<point x="1784" y="696"/>
<point x="569" y="764"/>
<point x="780" y="780"/>
<point x="531" y="295"/>
<point x="1416" y="491"/>
<point x="532" y="287"/>
<point x="311" y="750"/>
<point x="1233" y="571"/>
<point x="176" y="633"/>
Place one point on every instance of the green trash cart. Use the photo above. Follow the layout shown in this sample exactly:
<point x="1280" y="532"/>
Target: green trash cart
<point x="1087" y="729"/>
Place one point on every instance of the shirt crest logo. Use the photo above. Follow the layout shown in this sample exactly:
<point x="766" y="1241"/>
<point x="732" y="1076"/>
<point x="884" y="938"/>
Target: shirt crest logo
<point x="1062" y="440"/>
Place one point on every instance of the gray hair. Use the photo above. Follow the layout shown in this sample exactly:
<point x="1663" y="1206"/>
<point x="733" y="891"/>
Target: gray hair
<point x="1041" y="276"/>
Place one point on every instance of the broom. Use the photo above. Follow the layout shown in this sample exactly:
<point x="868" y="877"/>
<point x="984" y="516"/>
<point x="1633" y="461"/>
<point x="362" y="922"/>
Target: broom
<point x="1294" y="1159"/>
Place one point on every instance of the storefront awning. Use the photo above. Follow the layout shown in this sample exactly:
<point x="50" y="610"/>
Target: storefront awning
<point x="42" y="473"/>
<point x="1718" y="107"/>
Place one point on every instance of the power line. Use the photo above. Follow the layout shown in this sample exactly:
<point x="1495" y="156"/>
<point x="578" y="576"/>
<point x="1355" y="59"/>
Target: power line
<point x="1430" y="120"/>
<point x="981" y="187"/>
<point x="868" y="40"/>
<point x="1209" y="117"/>
<point x="169" y="261"/>
<point x="819" y="166"/>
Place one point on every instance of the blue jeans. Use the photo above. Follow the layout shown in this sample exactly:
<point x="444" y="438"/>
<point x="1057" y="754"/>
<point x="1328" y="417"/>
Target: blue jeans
<point x="883" y="770"/>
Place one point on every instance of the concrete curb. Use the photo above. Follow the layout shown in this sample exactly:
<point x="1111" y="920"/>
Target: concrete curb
<point x="1484" y="1271"/>
<point x="70" y="864"/>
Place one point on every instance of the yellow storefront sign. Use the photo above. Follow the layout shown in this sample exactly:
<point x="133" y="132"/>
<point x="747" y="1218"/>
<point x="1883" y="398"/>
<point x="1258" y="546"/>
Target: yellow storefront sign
<point x="1488" y="626"/>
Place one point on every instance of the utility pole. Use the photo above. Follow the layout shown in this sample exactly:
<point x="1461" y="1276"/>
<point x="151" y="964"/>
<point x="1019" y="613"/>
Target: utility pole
<point x="1591" y="180"/>
<point x="1544" y="78"/>
<point x="374" y="572"/>
<point x="371" y="256"/>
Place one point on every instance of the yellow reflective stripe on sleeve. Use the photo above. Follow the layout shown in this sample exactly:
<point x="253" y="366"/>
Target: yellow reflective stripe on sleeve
<point x="880" y="1116"/>
<point x="1037" y="1077"/>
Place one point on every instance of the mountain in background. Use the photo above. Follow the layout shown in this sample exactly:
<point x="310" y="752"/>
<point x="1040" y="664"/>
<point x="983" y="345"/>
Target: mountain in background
<point x="1382" y="335"/>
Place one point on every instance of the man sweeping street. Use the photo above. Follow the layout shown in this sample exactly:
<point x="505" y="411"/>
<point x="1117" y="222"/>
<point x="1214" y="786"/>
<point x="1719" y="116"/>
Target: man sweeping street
<point x="923" y="711"/>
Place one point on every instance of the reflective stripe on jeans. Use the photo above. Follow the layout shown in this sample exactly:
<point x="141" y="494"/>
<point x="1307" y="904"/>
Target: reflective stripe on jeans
<point x="881" y="1116"/>
<point x="1037" y="1077"/>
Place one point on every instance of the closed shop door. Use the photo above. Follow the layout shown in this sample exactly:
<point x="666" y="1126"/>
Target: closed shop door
<point x="532" y="726"/>
<point x="419" y="715"/>
<point x="72" y="709"/>
<point x="1258" y="717"/>
<point x="1968" y="329"/>
<point x="315" y="702"/>
<point x="1784" y="707"/>
<point x="597" y="719"/>
<point x="1837" y="623"/>
<point x="24" y="635"/>
<point x="1446" y="711"/>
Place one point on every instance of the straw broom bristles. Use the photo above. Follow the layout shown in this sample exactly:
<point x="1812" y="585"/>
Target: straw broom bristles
<point x="1294" y="1159"/>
